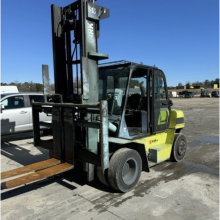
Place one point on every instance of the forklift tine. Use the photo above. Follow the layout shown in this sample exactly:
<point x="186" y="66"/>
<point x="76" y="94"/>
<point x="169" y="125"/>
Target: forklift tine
<point x="42" y="174"/>
<point x="30" y="168"/>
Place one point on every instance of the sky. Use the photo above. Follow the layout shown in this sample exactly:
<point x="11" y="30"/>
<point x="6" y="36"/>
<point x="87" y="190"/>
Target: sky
<point x="180" y="37"/>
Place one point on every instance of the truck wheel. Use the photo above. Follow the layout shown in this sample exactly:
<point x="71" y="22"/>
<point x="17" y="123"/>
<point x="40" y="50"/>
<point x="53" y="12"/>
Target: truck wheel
<point x="179" y="147"/>
<point x="124" y="169"/>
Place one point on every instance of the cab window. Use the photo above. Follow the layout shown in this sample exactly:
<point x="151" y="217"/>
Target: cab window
<point x="36" y="98"/>
<point x="13" y="102"/>
<point x="159" y="89"/>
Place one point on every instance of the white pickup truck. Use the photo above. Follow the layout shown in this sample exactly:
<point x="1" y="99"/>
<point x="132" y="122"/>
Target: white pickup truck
<point x="16" y="112"/>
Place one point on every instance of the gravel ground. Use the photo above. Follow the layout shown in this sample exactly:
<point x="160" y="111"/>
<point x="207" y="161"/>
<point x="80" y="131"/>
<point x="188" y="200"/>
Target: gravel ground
<point x="186" y="190"/>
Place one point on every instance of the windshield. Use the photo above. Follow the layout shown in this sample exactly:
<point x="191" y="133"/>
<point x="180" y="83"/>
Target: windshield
<point x="112" y="86"/>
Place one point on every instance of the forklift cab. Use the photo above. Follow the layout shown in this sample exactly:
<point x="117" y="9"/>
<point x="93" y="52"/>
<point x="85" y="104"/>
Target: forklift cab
<point x="137" y="97"/>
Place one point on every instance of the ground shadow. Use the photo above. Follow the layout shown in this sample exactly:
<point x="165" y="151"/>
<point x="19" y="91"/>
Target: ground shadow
<point x="22" y="155"/>
<point x="72" y="176"/>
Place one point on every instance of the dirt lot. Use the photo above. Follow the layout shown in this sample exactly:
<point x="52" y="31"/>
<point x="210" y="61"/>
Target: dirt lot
<point x="186" y="190"/>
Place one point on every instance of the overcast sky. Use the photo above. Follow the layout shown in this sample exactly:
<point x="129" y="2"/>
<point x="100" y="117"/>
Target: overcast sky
<point x="181" y="37"/>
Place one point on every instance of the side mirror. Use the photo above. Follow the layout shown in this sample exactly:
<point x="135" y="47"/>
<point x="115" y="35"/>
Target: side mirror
<point x="2" y="107"/>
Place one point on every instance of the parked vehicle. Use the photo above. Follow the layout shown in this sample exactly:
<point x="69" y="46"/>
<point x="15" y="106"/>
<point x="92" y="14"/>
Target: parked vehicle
<point x="183" y="92"/>
<point x="16" y="112"/>
<point x="205" y="93"/>
<point x="9" y="89"/>
<point x="189" y="94"/>
<point x="186" y="94"/>
<point x="215" y="93"/>
<point x="173" y="94"/>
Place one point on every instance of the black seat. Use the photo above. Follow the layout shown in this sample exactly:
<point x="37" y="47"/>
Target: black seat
<point x="135" y="101"/>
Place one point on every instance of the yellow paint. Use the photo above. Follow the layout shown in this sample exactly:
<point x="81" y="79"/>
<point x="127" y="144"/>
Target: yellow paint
<point x="160" y="153"/>
<point x="160" y="144"/>
<point x="215" y="86"/>
<point x="163" y="117"/>
<point x="175" y="114"/>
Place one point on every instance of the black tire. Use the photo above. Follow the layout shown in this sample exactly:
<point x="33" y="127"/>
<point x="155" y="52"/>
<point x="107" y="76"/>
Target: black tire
<point x="179" y="147"/>
<point x="124" y="169"/>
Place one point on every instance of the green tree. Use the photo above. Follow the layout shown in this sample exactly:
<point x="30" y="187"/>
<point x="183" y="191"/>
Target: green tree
<point x="3" y="84"/>
<point x="188" y="84"/>
<point x="207" y="83"/>
<point x="39" y="87"/>
<point x="197" y="83"/>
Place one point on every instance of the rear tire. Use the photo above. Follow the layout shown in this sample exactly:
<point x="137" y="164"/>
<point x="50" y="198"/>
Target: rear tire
<point x="179" y="148"/>
<point x="124" y="169"/>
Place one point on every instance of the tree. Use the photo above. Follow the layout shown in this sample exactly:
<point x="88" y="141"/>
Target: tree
<point x="188" y="84"/>
<point x="3" y="84"/>
<point x="18" y="84"/>
<point x="52" y="87"/>
<point x="197" y="83"/>
<point x="25" y="87"/>
<point x="207" y="83"/>
<point x="180" y="84"/>
<point x="39" y="87"/>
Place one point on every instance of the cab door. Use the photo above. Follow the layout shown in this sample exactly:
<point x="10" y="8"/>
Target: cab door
<point x="161" y="110"/>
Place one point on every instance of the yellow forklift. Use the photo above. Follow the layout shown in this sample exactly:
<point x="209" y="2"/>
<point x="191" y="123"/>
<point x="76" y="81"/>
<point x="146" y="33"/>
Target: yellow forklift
<point x="112" y="120"/>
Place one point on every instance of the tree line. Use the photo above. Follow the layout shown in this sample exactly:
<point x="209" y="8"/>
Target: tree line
<point x="206" y="83"/>
<point x="38" y="87"/>
<point x="28" y="86"/>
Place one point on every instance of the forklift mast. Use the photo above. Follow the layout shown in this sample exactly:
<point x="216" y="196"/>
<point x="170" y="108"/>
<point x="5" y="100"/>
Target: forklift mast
<point x="77" y="134"/>
<point x="75" y="30"/>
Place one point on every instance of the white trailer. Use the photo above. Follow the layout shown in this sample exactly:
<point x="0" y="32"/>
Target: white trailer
<point x="173" y="94"/>
<point x="9" y="89"/>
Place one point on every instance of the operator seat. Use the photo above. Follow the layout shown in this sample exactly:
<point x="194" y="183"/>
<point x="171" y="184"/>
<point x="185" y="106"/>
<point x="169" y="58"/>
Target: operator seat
<point x="135" y="101"/>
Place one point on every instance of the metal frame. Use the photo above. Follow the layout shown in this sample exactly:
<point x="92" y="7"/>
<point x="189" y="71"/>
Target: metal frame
<point x="64" y="139"/>
<point x="74" y="113"/>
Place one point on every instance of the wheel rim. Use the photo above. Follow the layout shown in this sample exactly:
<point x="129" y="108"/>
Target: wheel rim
<point x="129" y="171"/>
<point x="182" y="148"/>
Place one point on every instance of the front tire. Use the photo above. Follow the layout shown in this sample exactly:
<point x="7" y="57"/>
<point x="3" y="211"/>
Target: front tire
<point x="124" y="169"/>
<point x="179" y="148"/>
